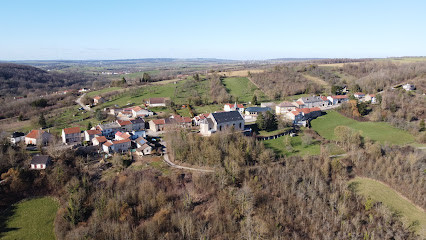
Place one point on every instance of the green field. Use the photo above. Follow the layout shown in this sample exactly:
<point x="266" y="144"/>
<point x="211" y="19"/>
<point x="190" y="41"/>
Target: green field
<point x="376" y="131"/>
<point x="279" y="148"/>
<point x="104" y="90"/>
<point x="30" y="219"/>
<point x="243" y="89"/>
<point x="380" y="192"/>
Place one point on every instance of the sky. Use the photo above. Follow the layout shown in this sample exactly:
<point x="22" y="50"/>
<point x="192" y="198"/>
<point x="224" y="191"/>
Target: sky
<point x="240" y="30"/>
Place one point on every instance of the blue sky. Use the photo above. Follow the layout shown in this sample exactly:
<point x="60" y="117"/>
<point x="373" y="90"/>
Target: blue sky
<point x="246" y="30"/>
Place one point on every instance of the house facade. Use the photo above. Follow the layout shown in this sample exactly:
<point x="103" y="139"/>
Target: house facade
<point x="337" y="99"/>
<point x="233" y="107"/>
<point x="40" y="162"/>
<point x="312" y="101"/>
<point x="116" y="146"/>
<point x="254" y="111"/>
<point x="98" y="100"/>
<point x="125" y="125"/>
<point x="157" y="125"/>
<point x="284" y="108"/>
<point x="37" y="137"/>
<point x="96" y="141"/>
<point x="221" y="121"/>
<point x="17" y="137"/>
<point x="157" y="102"/>
<point x="71" y="135"/>
<point x="138" y="124"/>
<point x="90" y="134"/>
<point x="108" y="129"/>
<point x="371" y="97"/>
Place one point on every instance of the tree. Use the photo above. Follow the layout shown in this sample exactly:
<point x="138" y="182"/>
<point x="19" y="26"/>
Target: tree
<point x="146" y="77"/>
<point x="42" y="121"/>
<point x="89" y="125"/>
<point x="336" y="89"/>
<point x="260" y="122"/>
<point x="196" y="77"/>
<point x="271" y="122"/>
<point x="99" y="115"/>
<point x="254" y="100"/>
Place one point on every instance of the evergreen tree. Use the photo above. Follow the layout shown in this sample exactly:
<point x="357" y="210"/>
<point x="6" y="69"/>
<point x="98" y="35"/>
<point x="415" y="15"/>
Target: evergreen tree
<point x="254" y="100"/>
<point x="196" y="77"/>
<point x="271" y="122"/>
<point x="422" y="125"/>
<point x="260" y="121"/>
<point x="89" y="125"/>
<point x="42" y="121"/>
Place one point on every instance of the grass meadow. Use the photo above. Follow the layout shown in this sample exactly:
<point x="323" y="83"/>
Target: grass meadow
<point x="30" y="219"/>
<point x="377" y="131"/>
<point x="380" y="192"/>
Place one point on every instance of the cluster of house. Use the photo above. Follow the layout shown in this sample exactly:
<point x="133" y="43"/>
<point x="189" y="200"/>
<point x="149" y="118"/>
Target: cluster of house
<point x="118" y="136"/>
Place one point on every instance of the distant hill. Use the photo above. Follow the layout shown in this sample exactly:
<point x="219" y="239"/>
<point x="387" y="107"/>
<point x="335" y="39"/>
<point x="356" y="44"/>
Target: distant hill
<point x="17" y="79"/>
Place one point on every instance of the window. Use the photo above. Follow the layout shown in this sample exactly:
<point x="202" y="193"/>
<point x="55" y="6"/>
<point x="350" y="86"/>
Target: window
<point x="220" y="128"/>
<point x="240" y="126"/>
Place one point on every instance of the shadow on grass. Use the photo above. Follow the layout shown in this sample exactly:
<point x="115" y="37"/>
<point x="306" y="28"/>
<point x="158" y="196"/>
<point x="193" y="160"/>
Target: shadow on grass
<point x="4" y="217"/>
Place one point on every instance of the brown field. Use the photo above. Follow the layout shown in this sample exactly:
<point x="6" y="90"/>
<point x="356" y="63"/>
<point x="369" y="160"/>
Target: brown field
<point x="241" y="73"/>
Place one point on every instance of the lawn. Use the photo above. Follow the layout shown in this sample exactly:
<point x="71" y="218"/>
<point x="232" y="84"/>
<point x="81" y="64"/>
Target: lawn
<point x="376" y="131"/>
<point x="279" y="148"/>
<point x="31" y="219"/>
<point x="380" y="192"/>
<point x="271" y="133"/>
<point x="243" y="89"/>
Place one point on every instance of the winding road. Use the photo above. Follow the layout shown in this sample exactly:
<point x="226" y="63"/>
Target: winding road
<point x="171" y="164"/>
<point x="78" y="101"/>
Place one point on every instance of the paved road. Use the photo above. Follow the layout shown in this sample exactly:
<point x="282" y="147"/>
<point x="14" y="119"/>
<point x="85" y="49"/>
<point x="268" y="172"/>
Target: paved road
<point x="171" y="164"/>
<point x="78" y="101"/>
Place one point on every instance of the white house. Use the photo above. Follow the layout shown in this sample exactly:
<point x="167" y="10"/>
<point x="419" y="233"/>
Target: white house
<point x="197" y="119"/>
<point x="121" y="135"/>
<point x="221" y="121"/>
<point x="37" y="137"/>
<point x="284" y="108"/>
<point x="157" y="102"/>
<point x="40" y="162"/>
<point x="96" y="141"/>
<point x="116" y="146"/>
<point x="71" y="135"/>
<point x="108" y="129"/>
<point x="359" y="95"/>
<point x="337" y="99"/>
<point x="98" y="100"/>
<point x="139" y="112"/>
<point x="312" y="101"/>
<point x="233" y="107"/>
<point x="90" y="134"/>
<point x="143" y="146"/>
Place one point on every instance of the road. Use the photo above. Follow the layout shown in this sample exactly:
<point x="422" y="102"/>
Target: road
<point x="171" y="164"/>
<point x="78" y="101"/>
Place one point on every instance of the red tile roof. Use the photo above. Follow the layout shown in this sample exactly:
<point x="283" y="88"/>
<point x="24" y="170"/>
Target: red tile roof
<point x="359" y="93"/>
<point x="372" y="95"/>
<point x="122" y="135"/>
<point x="101" y="139"/>
<point x="123" y="123"/>
<point x="159" y="121"/>
<point x="72" y="130"/>
<point x="324" y="98"/>
<point x="35" y="134"/>
<point x="97" y="97"/>
<point x="137" y="109"/>
<point x="339" y="97"/>
<point x="231" y="105"/>
<point x="299" y="102"/>
<point x="121" y="141"/>
<point x="108" y="143"/>
<point x="93" y="132"/>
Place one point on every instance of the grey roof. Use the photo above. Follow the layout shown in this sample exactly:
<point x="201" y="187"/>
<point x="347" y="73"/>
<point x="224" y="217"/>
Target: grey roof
<point x="109" y="125"/>
<point x="137" y="120"/>
<point x="223" y="117"/>
<point x="40" y="159"/>
<point x="311" y="99"/>
<point x="17" y="134"/>
<point x="286" y="104"/>
<point x="258" y="109"/>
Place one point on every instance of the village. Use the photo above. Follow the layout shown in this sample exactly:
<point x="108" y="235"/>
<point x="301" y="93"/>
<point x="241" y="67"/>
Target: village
<point x="136" y="130"/>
